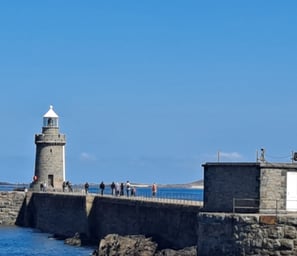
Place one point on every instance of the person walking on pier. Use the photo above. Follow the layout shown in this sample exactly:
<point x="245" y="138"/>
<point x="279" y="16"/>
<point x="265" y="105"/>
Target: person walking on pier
<point x="69" y="186"/>
<point x="133" y="191"/>
<point x="86" y="187"/>
<point x="102" y="187"/>
<point x="112" y="186"/>
<point x="64" y="186"/>
<point x="44" y="186"/>
<point x="128" y="188"/>
<point x="117" y="189"/>
<point x="122" y="189"/>
<point x="154" y="190"/>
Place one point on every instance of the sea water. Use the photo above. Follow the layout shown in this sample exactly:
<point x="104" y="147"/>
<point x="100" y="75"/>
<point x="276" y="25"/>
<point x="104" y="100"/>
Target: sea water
<point x="19" y="241"/>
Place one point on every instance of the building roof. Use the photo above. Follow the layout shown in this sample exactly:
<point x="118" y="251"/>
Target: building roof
<point x="50" y="113"/>
<point x="249" y="164"/>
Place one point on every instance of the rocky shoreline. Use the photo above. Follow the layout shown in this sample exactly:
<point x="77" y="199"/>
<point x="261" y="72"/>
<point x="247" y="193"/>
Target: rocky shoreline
<point x="114" y="244"/>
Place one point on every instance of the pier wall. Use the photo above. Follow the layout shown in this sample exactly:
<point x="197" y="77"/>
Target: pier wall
<point x="170" y="225"/>
<point x="11" y="204"/>
<point x="247" y="234"/>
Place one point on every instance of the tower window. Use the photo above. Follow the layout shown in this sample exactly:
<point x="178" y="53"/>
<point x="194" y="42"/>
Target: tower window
<point x="50" y="122"/>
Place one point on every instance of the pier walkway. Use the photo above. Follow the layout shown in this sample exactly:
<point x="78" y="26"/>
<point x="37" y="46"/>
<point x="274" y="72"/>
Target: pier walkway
<point x="156" y="199"/>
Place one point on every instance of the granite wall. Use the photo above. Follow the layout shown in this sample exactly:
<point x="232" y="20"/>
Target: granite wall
<point x="273" y="187"/>
<point x="170" y="225"/>
<point x="247" y="234"/>
<point x="11" y="204"/>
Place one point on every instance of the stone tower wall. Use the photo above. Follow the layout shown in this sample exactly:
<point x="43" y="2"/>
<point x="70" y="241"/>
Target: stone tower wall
<point x="49" y="161"/>
<point x="49" y="157"/>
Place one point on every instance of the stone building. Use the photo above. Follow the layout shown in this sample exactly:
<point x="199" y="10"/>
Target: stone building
<point x="250" y="187"/>
<point x="50" y="154"/>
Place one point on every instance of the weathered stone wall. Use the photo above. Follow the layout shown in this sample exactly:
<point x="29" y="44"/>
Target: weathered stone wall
<point x="60" y="214"/>
<point x="273" y="188"/>
<point x="253" y="234"/>
<point x="49" y="158"/>
<point x="10" y="207"/>
<point x="170" y="225"/>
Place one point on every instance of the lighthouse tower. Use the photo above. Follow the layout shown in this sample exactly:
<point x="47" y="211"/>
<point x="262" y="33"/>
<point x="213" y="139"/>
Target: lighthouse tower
<point x="50" y="154"/>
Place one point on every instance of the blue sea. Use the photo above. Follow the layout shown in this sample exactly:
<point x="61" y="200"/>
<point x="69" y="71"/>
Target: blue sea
<point x="19" y="241"/>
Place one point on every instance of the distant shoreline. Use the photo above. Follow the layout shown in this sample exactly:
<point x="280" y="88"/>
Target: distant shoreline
<point x="170" y="186"/>
<point x="197" y="187"/>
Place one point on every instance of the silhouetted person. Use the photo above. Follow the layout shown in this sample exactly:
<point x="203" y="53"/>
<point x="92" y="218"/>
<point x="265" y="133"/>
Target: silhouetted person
<point x="64" y="186"/>
<point x="69" y="186"/>
<point x="102" y="187"/>
<point x="112" y="186"/>
<point x="122" y="189"/>
<point x="86" y="187"/>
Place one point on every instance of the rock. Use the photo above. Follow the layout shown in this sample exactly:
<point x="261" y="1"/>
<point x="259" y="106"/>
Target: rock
<point x="115" y="245"/>
<point x="188" y="251"/>
<point x="77" y="240"/>
<point x="95" y="253"/>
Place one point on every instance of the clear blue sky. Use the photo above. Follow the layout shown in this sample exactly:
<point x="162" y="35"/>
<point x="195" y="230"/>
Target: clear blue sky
<point x="147" y="91"/>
